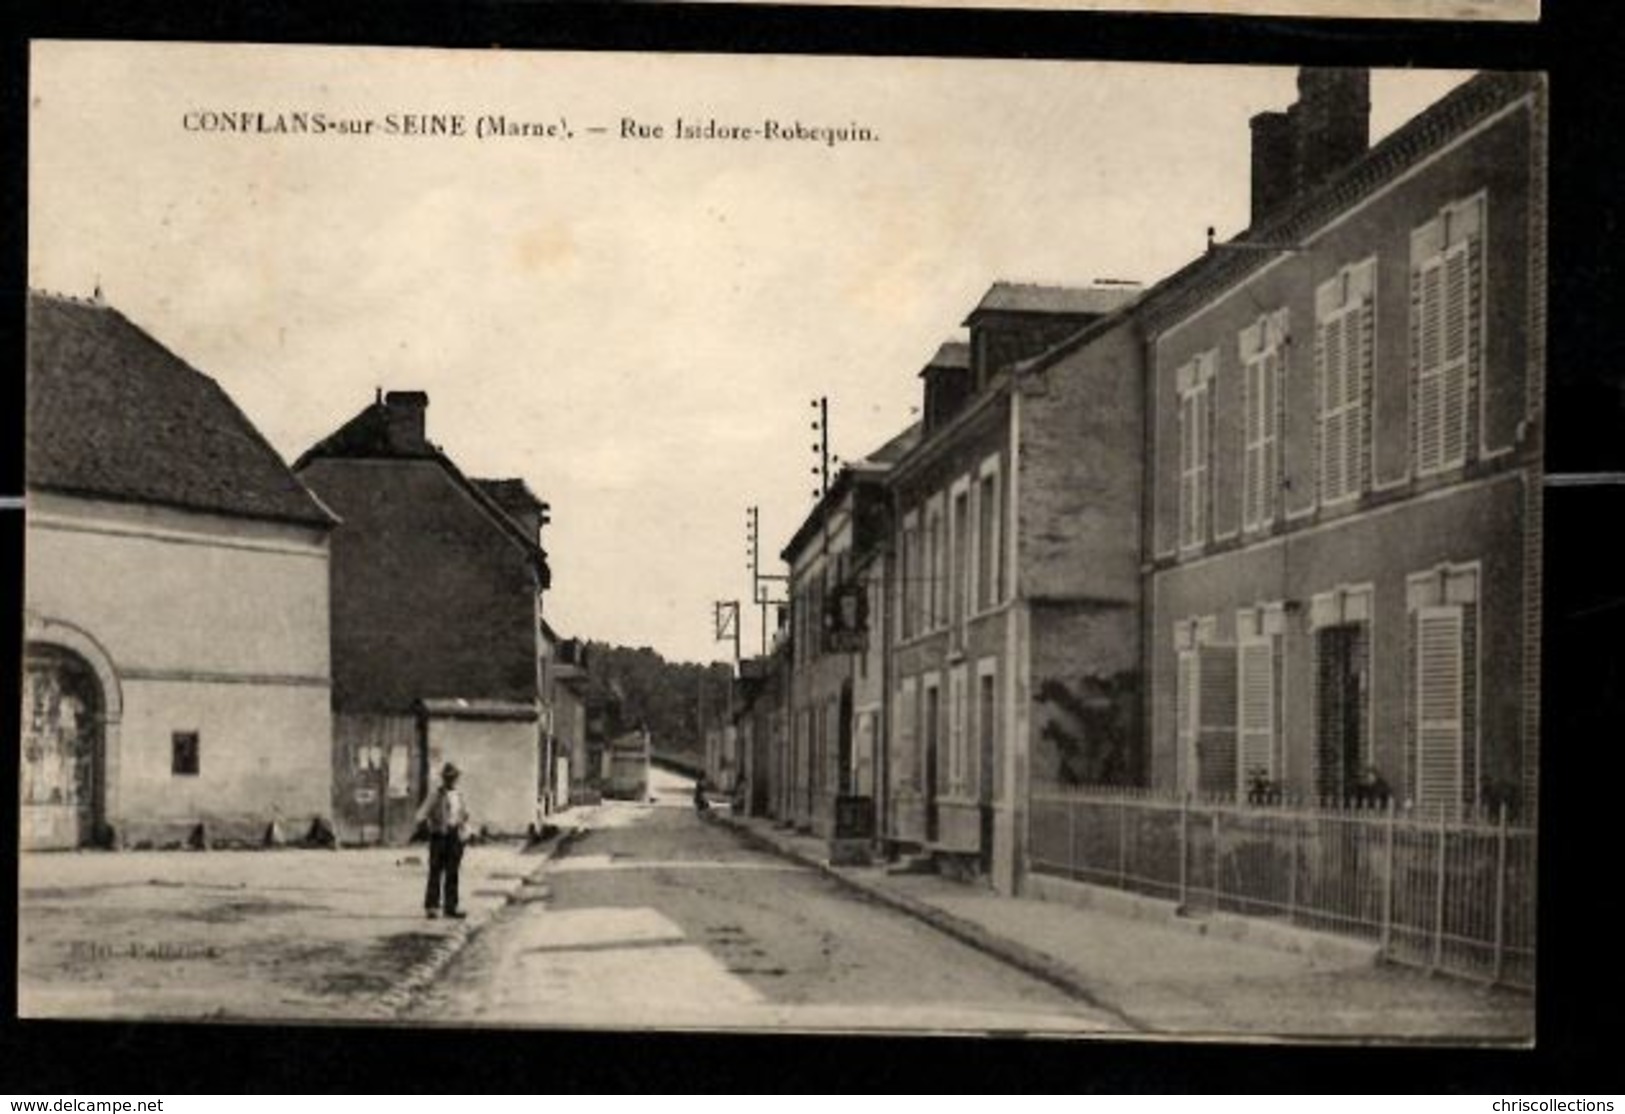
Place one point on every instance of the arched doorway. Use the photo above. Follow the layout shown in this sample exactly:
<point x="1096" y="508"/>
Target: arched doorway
<point x="64" y="750"/>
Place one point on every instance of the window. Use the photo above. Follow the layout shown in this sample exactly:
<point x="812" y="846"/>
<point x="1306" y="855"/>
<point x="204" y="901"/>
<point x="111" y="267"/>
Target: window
<point x="908" y="561"/>
<point x="1205" y="707"/>
<point x="1442" y="762"/>
<point x="907" y="707"/>
<point x="930" y="740"/>
<point x="183" y="754"/>
<point x="987" y="735"/>
<point x="1263" y="348"/>
<point x="1345" y="315"/>
<point x="1341" y="677"/>
<point x="936" y="567"/>
<point x="989" y="554"/>
<point x="1195" y="383"/>
<point x="960" y="526"/>
<point x="958" y="732"/>
<point x="1447" y="282"/>
<point x="1258" y="688"/>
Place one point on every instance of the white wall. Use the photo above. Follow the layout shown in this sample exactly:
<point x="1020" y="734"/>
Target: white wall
<point x="211" y="624"/>
<point x="501" y="765"/>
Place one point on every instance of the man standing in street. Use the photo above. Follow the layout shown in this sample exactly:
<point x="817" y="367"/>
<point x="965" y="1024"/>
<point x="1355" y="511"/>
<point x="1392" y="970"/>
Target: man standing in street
<point x="447" y="819"/>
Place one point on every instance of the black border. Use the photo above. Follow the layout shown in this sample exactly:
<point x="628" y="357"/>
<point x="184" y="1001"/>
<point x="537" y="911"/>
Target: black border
<point x="1576" y="42"/>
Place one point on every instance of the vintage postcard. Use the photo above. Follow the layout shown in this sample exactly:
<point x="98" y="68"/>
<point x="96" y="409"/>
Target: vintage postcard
<point x="595" y="540"/>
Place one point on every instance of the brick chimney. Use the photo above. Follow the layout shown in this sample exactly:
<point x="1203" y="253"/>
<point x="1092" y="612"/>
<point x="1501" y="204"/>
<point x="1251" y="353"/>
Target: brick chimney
<point x="1333" y="122"/>
<point x="1274" y="153"/>
<point x="405" y="415"/>
<point x="1326" y="129"/>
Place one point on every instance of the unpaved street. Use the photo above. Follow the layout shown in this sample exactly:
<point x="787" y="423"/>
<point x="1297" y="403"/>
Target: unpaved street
<point x="656" y="918"/>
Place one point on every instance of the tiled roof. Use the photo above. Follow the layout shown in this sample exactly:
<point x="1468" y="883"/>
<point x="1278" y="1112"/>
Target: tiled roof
<point x="1021" y="297"/>
<point x="114" y="414"/>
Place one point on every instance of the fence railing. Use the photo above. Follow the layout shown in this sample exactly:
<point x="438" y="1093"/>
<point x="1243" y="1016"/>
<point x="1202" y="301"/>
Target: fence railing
<point x="1432" y="891"/>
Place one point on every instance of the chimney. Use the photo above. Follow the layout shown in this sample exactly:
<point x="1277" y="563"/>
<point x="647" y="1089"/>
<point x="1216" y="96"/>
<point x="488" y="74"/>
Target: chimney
<point x="1333" y="122"/>
<point x="405" y="411"/>
<point x="1326" y="129"/>
<point x="1274" y="155"/>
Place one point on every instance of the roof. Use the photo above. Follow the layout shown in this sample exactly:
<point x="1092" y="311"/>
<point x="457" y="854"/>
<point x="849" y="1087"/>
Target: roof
<point x="1217" y="270"/>
<point x="460" y="708"/>
<point x="870" y="469"/>
<point x="894" y="450"/>
<point x="952" y="354"/>
<point x="370" y="435"/>
<point x="114" y="414"/>
<point x="1447" y="118"/>
<point x="1022" y="297"/>
<point x="512" y="495"/>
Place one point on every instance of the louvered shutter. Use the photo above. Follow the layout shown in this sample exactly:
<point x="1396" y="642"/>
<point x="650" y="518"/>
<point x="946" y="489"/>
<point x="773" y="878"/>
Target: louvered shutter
<point x="1185" y="668"/>
<point x="1255" y="702"/>
<point x="956" y="728"/>
<point x="1252" y="465"/>
<point x="1202" y="408"/>
<point x="1270" y="448"/>
<point x="1353" y="399"/>
<point x="1333" y="445"/>
<point x="1216" y="719"/>
<point x="1186" y="432"/>
<point x="1429" y="378"/>
<point x="1439" y="677"/>
<point x="1364" y="375"/>
<point x="1454" y="324"/>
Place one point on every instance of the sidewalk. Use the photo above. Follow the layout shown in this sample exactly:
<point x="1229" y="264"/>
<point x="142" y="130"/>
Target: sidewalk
<point x="1164" y="977"/>
<point x="285" y="933"/>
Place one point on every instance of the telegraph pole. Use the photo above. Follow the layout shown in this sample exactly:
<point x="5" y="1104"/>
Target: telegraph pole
<point x="820" y="447"/>
<point x="759" y="581"/>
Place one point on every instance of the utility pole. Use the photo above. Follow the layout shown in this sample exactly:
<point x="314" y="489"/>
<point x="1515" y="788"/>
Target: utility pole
<point x="759" y="591"/>
<point x="820" y="447"/>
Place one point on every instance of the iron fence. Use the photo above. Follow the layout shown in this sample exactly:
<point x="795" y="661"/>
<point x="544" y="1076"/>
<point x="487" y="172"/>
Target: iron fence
<point x="1446" y="894"/>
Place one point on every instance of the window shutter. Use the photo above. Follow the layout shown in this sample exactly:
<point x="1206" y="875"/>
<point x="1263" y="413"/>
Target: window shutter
<point x="1438" y="708"/>
<point x="1255" y="701"/>
<point x="1454" y="342"/>
<point x="956" y="728"/>
<point x="1185" y="674"/>
<point x="1365" y="374"/>
<point x="1333" y="448"/>
<point x="1430" y="403"/>
<point x="1251" y="465"/>
<point x="1271" y="449"/>
<point x="1216" y="719"/>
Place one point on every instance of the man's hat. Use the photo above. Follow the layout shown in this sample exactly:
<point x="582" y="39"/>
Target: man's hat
<point x="448" y="772"/>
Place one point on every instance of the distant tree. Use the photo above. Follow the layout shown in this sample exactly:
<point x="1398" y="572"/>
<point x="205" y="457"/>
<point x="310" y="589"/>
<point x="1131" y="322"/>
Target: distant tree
<point x="663" y="697"/>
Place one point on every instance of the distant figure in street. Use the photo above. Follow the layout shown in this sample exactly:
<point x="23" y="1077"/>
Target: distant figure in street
<point x="701" y="804"/>
<point x="446" y="817"/>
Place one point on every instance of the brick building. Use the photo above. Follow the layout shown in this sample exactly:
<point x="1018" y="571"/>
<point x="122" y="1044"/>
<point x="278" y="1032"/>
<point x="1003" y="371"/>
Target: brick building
<point x="1014" y="546"/>
<point x="1345" y="462"/>
<point x="175" y="654"/>
<point x="437" y="598"/>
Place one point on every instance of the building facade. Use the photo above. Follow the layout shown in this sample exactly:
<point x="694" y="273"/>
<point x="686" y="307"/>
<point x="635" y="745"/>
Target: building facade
<point x="1346" y="460"/>
<point x="1014" y="549"/>
<point x="176" y="656"/>
<point x="437" y="626"/>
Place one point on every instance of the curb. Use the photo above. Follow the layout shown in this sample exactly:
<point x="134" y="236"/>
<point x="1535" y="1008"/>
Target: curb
<point x="1232" y="927"/>
<point x="399" y="996"/>
<point x="1027" y="960"/>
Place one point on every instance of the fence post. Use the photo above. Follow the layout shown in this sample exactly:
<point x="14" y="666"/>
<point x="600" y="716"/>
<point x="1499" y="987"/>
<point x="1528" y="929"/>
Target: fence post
<point x="1072" y="836"/>
<point x="1122" y="843"/>
<point x="1438" y="901"/>
<point x="1388" y="878"/>
<point x="1500" y="892"/>
<point x="1214" y="881"/>
<point x="1296" y="828"/>
<point x="1184" y="846"/>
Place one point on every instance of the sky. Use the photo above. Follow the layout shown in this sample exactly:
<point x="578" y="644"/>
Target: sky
<point x="635" y="326"/>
